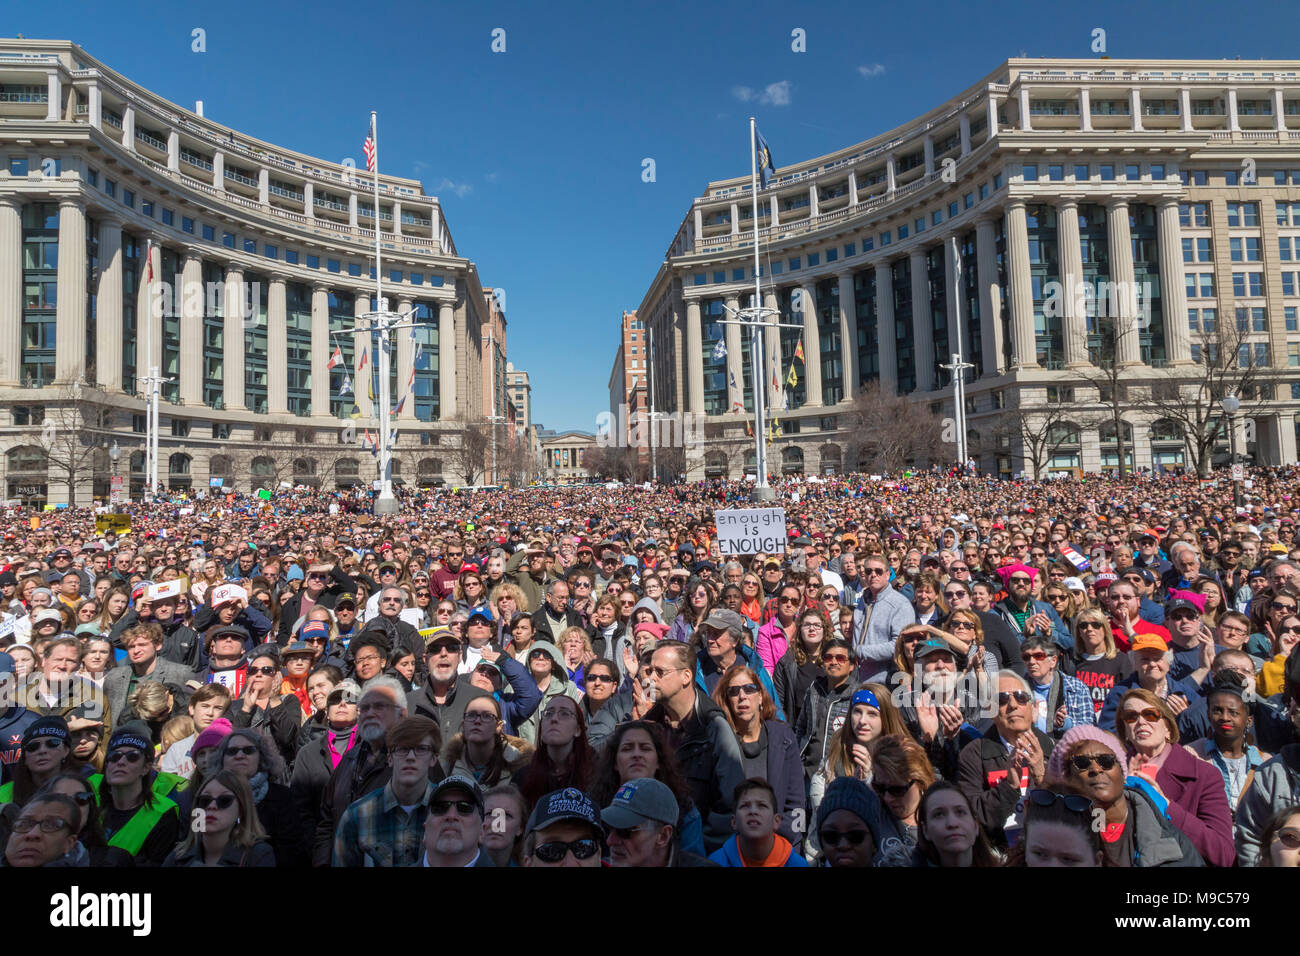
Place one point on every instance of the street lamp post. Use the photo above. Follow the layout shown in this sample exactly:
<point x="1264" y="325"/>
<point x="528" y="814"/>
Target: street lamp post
<point x="1231" y="404"/>
<point x="114" y="453"/>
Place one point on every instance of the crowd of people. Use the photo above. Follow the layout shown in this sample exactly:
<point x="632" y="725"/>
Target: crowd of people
<point x="937" y="670"/>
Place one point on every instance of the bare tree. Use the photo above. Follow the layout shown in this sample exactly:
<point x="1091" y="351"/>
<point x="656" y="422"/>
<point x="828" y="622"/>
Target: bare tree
<point x="1189" y="396"/>
<point x="1105" y="373"/>
<point x="1040" y="431"/>
<point x="71" y="436"/>
<point x="468" y="458"/>
<point x="888" y="432"/>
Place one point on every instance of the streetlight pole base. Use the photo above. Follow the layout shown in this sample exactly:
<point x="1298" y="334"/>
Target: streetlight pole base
<point x="766" y="493"/>
<point x="386" y="506"/>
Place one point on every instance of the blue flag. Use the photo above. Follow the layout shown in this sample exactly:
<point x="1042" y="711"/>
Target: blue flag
<point x="720" y="351"/>
<point x="764" y="156"/>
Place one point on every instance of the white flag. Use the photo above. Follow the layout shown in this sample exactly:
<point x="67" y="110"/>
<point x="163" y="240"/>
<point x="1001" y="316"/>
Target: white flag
<point x="720" y="350"/>
<point x="346" y="387"/>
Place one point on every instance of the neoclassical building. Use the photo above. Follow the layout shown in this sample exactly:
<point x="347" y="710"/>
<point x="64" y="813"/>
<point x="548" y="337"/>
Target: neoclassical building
<point x="1179" y="180"/>
<point x="263" y="262"/>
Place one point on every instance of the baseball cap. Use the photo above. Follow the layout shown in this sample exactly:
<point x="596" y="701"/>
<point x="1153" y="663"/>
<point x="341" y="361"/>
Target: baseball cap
<point x="47" y="614"/>
<point x="1149" y="642"/>
<point x="932" y="645"/>
<point x="459" y="782"/>
<point x="481" y="614"/>
<point x="231" y="630"/>
<point x="438" y="635"/>
<point x="1146" y="576"/>
<point x="52" y="727"/>
<point x="637" y="801"/>
<point x="721" y="617"/>
<point x="347" y="597"/>
<point x="559" y="805"/>
<point x="134" y="735"/>
<point x="347" y="690"/>
<point x="1075" y="584"/>
<point x="1181" y="604"/>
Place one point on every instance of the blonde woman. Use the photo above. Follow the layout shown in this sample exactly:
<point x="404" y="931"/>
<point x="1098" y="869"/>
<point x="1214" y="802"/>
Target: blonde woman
<point x="1098" y="662"/>
<point x="232" y="835"/>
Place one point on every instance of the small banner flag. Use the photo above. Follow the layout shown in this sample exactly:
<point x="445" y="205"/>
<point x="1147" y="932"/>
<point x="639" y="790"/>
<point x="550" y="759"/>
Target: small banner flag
<point x="720" y="351"/>
<point x="336" y="358"/>
<point x="798" y="352"/>
<point x="364" y="358"/>
<point x="792" y="379"/>
<point x="346" y="387"/>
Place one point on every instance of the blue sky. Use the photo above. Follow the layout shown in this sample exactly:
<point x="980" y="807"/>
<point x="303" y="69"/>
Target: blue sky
<point x="536" y="153"/>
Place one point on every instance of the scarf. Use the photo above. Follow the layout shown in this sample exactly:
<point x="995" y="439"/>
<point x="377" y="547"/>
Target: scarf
<point x="349" y="735"/>
<point x="259" y="783"/>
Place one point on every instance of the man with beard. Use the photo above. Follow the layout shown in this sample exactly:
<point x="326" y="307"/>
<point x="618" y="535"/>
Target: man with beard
<point x="446" y="692"/>
<point x="385" y="827"/>
<point x="364" y="768"/>
<point x="454" y="825"/>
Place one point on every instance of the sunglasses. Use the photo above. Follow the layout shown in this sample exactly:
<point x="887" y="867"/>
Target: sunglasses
<point x="837" y="837"/>
<point x="130" y="756"/>
<point x="265" y="670"/>
<point x="1034" y="656"/>
<point x="1149" y="714"/>
<point x="223" y="802"/>
<point x="952" y="595"/>
<point x="554" y="851"/>
<point x="1021" y="697"/>
<point x="893" y="790"/>
<point x="440" y="808"/>
<point x="737" y="690"/>
<point x="601" y="679"/>
<point x="1082" y="762"/>
<point x="835" y="658"/>
<point x="1288" y="837"/>
<point x="1282" y="606"/>
<point x="49" y="743"/>
<point x="247" y="751"/>
<point x="787" y="600"/>
<point x="1073" y="803"/>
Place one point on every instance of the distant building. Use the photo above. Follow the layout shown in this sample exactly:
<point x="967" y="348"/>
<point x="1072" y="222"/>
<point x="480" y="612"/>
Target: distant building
<point x="564" y="456"/>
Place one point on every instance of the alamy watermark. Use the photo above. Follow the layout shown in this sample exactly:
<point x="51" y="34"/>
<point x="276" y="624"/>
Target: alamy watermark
<point x="641" y="429"/>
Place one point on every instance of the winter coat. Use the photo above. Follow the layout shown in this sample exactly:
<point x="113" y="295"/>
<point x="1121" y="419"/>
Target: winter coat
<point x="527" y="729"/>
<point x="285" y="829"/>
<point x="118" y="680"/>
<point x="339" y="585"/>
<point x="1060" y="633"/>
<point x="1198" y="804"/>
<point x="451" y="714"/>
<point x="281" y="724"/>
<point x="542" y="625"/>
<point x="983" y="774"/>
<point x="771" y="644"/>
<point x="615" y="711"/>
<point x="523" y="698"/>
<point x="1156" y="841"/>
<point x="259" y="854"/>
<point x="747" y="656"/>
<point x="13" y="724"/>
<point x="518" y="754"/>
<point x="311" y="772"/>
<point x="1276" y="786"/>
<point x="874" y="639"/>
<point x="821" y="714"/>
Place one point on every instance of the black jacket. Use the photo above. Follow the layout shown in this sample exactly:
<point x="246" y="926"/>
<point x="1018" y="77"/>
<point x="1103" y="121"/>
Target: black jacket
<point x="282" y="723"/>
<point x="362" y="770"/>
<point x="311" y="772"/>
<point x="709" y="758"/>
<point x="449" y="715"/>
<point x="983" y="774"/>
<point x="285" y="829"/>
<point x="542" y="626"/>
<point x="340" y="584"/>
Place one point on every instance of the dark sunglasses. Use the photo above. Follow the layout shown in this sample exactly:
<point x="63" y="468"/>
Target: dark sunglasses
<point x="245" y="751"/>
<point x="736" y="690"/>
<point x="1149" y="714"/>
<point x="836" y="837"/>
<point x="1073" y="803"/>
<point x="205" y="800"/>
<point x="130" y="756"/>
<point x="894" y="791"/>
<point x="49" y="743"/>
<point x="601" y="679"/>
<point x="835" y="658"/>
<point x="265" y="670"/>
<point x="555" y="850"/>
<point x="1082" y="762"/>
<point x="1021" y="697"/>
<point x="440" y="808"/>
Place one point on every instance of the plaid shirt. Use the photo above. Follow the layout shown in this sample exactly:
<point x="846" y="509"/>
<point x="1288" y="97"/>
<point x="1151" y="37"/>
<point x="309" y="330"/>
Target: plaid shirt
<point x="375" y="831"/>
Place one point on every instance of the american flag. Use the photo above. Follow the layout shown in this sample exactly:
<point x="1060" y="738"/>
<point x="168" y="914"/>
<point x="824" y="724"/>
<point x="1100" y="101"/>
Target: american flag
<point x="368" y="147"/>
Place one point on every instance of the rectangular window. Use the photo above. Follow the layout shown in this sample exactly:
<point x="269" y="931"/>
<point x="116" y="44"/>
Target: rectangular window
<point x="1289" y="314"/>
<point x="850" y="250"/>
<point x="1056" y="173"/>
<point x="1158" y="171"/>
<point x="332" y="265"/>
<point x="146" y="207"/>
<point x="1106" y="172"/>
<point x="936" y="217"/>
<point x="997" y="180"/>
<point x="168" y="217"/>
<point x="110" y="187"/>
<point x="313" y="262"/>
<point x="354" y="270"/>
<point x="208" y="232"/>
<point x="291" y="257"/>
<point x="1132" y="172"/>
<point x="395" y="275"/>
<point x="228" y="240"/>
<point x="250" y="246"/>
<point x="270" y="251"/>
<point x="92" y="178"/>
<point x="902" y="233"/>
<point x="814" y="259"/>
<point x="1230" y="177"/>
<point x="953" y="209"/>
<point x="1292" y="355"/>
<point x="868" y="244"/>
<point x="886" y="238"/>
<point x="968" y="200"/>
<point x="984" y="190"/>
<point x="737" y="275"/>
<point x="1243" y="214"/>
<point x="1029" y="173"/>
<point x="1288" y="283"/>
<point x="187" y="224"/>
<point x="1209" y="319"/>
<point x="832" y="255"/>
<point x="1284" y="246"/>
<point x="128" y="198"/>
<point x="719" y="277"/>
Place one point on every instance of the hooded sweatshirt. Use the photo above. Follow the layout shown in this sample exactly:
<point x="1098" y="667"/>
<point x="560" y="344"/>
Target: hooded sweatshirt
<point x="625" y="642"/>
<point x="782" y="854"/>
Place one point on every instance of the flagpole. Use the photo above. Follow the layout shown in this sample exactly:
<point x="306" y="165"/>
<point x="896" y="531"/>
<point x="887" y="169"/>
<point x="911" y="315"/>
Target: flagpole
<point x="385" y="503"/>
<point x="756" y="332"/>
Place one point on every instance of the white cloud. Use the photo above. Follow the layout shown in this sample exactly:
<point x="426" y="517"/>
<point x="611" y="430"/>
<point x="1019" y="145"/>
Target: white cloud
<point x="871" y="69"/>
<point x="774" y="94"/>
<point x="460" y="189"/>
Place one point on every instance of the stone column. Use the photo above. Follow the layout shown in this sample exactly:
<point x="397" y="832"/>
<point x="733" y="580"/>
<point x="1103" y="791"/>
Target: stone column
<point x="321" y="349"/>
<point x="148" y="316"/>
<point x="1119" y="237"/>
<point x="128" y="128"/>
<point x="1173" y="288"/>
<point x="922" y="323"/>
<point x="814" y="202"/>
<point x="1185" y="108"/>
<point x="361" y="347"/>
<point x="219" y="170"/>
<point x="929" y="155"/>
<point x="1025" y="122"/>
<point x="352" y="210"/>
<point x="1073" y="322"/>
<point x="991" y="107"/>
<point x="1234" y="124"/>
<point x="1085" y="110"/>
<point x="735" y="357"/>
<point x="1023" y="344"/>
<point x="990" y="296"/>
<point x="772" y="350"/>
<point x="233" y="352"/>
<point x="1279" y="104"/>
<point x="405" y="364"/>
<point x="309" y="200"/>
<point x="848" y="335"/>
<point x="70" y="334"/>
<point x="886" y="334"/>
<point x="277" y="347"/>
<point x="694" y="358"/>
<point x="735" y="219"/>
<point x="263" y="186"/>
<point x="812" y="346"/>
<point x="447" y="359"/>
<point x="853" y="188"/>
<point x="11" y="290"/>
<point x="192" y="302"/>
<point x="963" y="126"/>
<point x="1135" y="109"/>
<point x="108" y="305"/>
<point x="891" y="173"/>
<point x="776" y="212"/>
<point x="54" y="94"/>
<point x="397" y="218"/>
<point x="95" y="105"/>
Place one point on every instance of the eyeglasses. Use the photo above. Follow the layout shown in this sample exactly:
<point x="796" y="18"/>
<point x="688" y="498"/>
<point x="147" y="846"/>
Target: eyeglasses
<point x="1021" y="697"/>
<point x="1289" y="837"/>
<point x="480" y="716"/>
<point x="47" y="825"/>
<point x="953" y="595"/>
<point x="601" y="679"/>
<point x="1291" y="630"/>
<point x="837" y="837"/>
<point x="423" y="750"/>
<point x="1092" y="624"/>
<point x="1149" y="714"/>
<point x="317" y="576"/>
<point x="422" y="594"/>
<point x="742" y="690"/>
<point x="265" y="670"/>
<point x="247" y="751"/>
<point x="1282" y="606"/>
<point x="554" y="851"/>
<point x="130" y="756"/>
<point x="894" y="790"/>
<point x="49" y="743"/>
<point x="223" y="802"/>
<point x="1082" y="762"/>
<point x="1073" y="803"/>
<point x="835" y="658"/>
<point x="1034" y="656"/>
<point x="582" y="585"/>
<point x="1021" y="580"/>
<point x="440" y="808"/>
<point x="657" y="671"/>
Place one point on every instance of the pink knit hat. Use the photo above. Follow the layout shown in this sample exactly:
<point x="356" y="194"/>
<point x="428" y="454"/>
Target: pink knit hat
<point x="216" y="732"/>
<point x="1079" y="734"/>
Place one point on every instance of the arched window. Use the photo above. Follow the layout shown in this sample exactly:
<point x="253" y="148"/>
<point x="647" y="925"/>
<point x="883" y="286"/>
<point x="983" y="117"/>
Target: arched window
<point x="715" y="465"/>
<point x="347" y="473"/>
<point x="792" y="460"/>
<point x="428" y="473"/>
<point x="221" y="466"/>
<point x="829" y="459"/>
<point x="178" y="471"/>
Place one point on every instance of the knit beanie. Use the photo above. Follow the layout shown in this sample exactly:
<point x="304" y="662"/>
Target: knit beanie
<point x="851" y="794"/>
<point x="1079" y="734"/>
<point x="51" y="726"/>
<point x="212" y="735"/>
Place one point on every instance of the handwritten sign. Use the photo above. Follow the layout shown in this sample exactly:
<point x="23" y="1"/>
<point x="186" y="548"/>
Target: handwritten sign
<point x="751" y="530"/>
<point x="118" y="524"/>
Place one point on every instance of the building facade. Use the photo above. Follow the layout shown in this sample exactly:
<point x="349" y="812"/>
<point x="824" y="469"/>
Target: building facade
<point x="262" y="265"/>
<point x="1176" y="183"/>
<point x="564" y="456"/>
<point x="629" y="381"/>
<point x="498" y="414"/>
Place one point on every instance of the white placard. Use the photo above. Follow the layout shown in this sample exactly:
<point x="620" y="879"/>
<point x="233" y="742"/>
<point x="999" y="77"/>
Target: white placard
<point x="751" y="530"/>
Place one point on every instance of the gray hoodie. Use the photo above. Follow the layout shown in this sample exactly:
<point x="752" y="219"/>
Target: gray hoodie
<point x="1276" y="784"/>
<point x="625" y="640"/>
